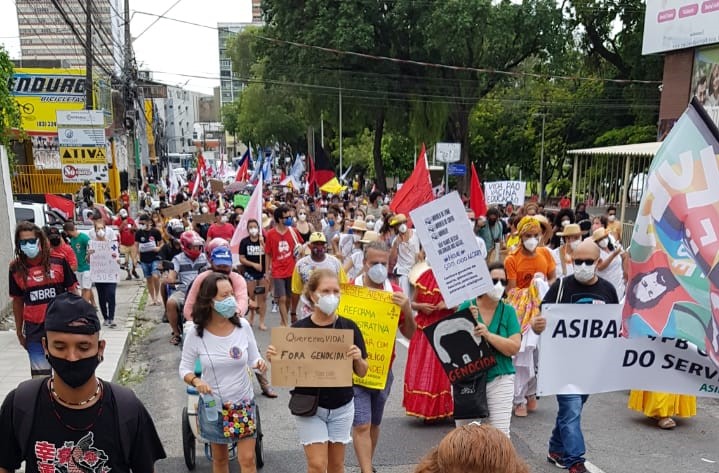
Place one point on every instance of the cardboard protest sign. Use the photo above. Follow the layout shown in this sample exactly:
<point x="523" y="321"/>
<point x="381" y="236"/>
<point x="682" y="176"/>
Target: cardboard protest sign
<point x="203" y="218"/>
<point x="310" y="357"/>
<point x="377" y="318"/>
<point x="103" y="261"/>
<point x="216" y="186"/>
<point x="462" y="355"/>
<point x="241" y="199"/>
<point x="177" y="210"/>
<point x="587" y="355"/>
<point x="501" y="192"/>
<point x="452" y="249"/>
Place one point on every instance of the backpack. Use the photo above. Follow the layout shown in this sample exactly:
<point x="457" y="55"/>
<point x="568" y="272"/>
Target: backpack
<point x="124" y="403"/>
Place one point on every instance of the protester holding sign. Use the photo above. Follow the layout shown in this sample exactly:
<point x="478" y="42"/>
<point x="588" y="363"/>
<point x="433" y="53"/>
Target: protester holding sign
<point x="497" y="323"/>
<point x="106" y="288"/>
<point x="324" y="415"/>
<point x="370" y="403"/>
<point x="566" y="445"/>
<point x="405" y="250"/>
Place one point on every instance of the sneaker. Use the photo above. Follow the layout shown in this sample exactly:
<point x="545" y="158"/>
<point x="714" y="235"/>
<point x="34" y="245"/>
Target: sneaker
<point x="578" y="468"/>
<point x="556" y="459"/>
<point x="275" y="307"/>
<point x="129" y="277"/>
<point x="520" y="410"/>
<point x="106" y="323"/>
<point x="135" y="275"/>
<point x="112" y="324"/>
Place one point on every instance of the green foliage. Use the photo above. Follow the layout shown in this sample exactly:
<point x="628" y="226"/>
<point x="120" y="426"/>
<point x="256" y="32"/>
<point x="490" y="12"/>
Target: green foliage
<point x="627" y="135"/>
<point x="10" y="117"/>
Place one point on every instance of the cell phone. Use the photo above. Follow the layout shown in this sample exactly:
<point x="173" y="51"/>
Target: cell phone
<point x="259" y="289"/>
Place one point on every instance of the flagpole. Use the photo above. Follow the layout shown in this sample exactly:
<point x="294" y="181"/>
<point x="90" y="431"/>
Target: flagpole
<point x="322" y="128"/>
<point x="340" y="128"/>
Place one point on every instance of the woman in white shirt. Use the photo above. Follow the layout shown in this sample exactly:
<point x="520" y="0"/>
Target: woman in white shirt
<point x="571" y="235"/>
<point x="611" y="260"/>
<point x="226" y="347"/>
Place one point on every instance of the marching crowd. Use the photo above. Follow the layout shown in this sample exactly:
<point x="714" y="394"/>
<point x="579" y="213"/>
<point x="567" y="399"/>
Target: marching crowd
<point x="294" y="258"/>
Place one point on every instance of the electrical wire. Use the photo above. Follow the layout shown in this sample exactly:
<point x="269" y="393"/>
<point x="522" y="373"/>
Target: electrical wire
<point x="425" y="64"/>
<point x="157" y="19"/>
<point x="50" y="51"/>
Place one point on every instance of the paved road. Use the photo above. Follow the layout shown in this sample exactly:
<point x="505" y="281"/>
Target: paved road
<point x="618" y="440"/>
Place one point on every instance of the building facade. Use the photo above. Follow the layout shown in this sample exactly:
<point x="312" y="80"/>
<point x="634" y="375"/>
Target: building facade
<point x="230" y="85"/>
<point x="46" y="35"/>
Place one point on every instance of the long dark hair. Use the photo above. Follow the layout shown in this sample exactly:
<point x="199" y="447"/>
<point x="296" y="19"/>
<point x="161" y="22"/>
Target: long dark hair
<point x="21" y="262"/>
<point x="202" y="310"/>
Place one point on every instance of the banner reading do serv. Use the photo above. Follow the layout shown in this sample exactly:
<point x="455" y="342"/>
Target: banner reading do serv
<point x="377" y="318"/>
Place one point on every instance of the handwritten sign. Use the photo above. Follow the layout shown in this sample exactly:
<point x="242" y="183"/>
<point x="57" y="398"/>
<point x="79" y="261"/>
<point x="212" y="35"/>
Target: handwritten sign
<point x="216" y="186"/>
<point x="177" y="210"/>
<point x="103" y="261"/>
<point x="501" y="192"/>
<point x="241" y="200"/>
<point x="203" y="218"/>
<point x="312" y="357"/>
<point x="377" y="318"/>
<point x="452" y="249"/>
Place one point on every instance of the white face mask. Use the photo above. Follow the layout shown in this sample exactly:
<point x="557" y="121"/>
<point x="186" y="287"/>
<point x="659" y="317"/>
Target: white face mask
<point x="611" y="218"/>
<point x="603" y="244"/>
<point x="574" y="244"/>
<point x="224" y="219"/>
<point x="496" y="292"/>
<point x="100" y="233"/>
<point x="328" y="303"/>
<point x="531" y="244"/>
<point x="370" y="225"/>
<point x="254" y="231"/>
<point x="302" y="217"/>
<point x="356" y="237"/>
<point x="565" y="223"/>
<point x="584" y="273"/>
<point x="377" y="273"/>
<point x="403" y="228"/>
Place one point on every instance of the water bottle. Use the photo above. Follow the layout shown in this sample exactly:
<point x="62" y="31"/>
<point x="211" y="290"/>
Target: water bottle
<point x="211" y="406"/>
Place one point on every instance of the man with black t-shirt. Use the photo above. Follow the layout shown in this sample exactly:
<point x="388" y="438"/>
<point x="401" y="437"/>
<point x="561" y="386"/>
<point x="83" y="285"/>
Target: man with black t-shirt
<point x="73" y="421"/>
<point x="148" y="242"/>
<point x="566" y="446"/>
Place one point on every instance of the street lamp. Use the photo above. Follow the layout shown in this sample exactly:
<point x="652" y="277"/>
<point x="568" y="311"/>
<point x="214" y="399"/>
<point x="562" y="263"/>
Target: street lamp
<point x="541" y="160"/>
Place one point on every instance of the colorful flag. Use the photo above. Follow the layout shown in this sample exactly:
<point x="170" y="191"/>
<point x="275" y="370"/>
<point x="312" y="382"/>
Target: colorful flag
<point x="65" y="207"/>
<point x="333" y="186"/>
<point x="476" y="196"/>
<point x="252" y="211"/>
<point x="323" y="170"/>
<point x="298" y="168"/>
<point x="673" y="284"/>
<point x="416" y="190"/>
<point x="242" y="172"/>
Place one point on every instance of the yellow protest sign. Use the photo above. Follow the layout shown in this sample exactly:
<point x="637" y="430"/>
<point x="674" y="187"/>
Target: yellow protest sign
<point x="82" y="155"/>
<point x="377" y="318"/>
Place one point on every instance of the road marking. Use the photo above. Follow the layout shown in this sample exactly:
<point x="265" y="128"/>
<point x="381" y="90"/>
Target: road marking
<point x="403" y="341"/>
<point x="593" y="468"/>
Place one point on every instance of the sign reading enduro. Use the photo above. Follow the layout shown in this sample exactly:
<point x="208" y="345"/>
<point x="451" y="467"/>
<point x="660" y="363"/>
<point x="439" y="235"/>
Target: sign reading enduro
<point x="377" y="318"/>
<point x="501" y="192"/>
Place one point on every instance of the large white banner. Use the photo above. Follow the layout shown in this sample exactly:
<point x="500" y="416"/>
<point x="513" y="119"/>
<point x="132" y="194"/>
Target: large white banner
<point x="104" y="265"/>
<point x="582" y="352"/>
<point x="676" y="25"/>
<point x="452" y="249"/>
<point x="501" y="192"/>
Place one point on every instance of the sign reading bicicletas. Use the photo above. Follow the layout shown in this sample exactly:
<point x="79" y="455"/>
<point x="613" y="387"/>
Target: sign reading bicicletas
<point x="452" y="249"/>
<point x="312" y="357"/>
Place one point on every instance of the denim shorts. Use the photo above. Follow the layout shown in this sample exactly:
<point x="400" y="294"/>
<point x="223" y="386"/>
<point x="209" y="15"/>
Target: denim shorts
<point x="213" y="432"/>
<point x="327" y="425"/>
<point x="369" y="403"/>
<point x="39" y="365"/>
<point x="150" y="269"/>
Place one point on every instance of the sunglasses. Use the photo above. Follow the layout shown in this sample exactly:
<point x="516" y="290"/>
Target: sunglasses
<point x="29" y="241"/>
<point x="579" y="262"/>
<point x="496" y="280"/>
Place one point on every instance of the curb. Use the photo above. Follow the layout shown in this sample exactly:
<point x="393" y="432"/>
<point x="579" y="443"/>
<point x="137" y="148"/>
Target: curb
<point x="130" y="324"/>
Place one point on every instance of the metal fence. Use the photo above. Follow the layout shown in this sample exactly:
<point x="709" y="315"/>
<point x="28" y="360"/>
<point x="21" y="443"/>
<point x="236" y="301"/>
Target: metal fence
<point x="29" y="180"/>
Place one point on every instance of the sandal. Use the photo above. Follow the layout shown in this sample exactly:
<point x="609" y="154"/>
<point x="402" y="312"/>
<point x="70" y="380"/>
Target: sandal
<point x="666" y="423"/>
<point x="268" y="392"/>
<point x="175" y="339"/>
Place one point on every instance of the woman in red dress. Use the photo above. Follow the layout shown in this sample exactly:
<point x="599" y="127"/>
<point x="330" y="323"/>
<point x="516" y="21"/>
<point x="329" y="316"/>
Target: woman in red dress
<point x="427" y="392"/>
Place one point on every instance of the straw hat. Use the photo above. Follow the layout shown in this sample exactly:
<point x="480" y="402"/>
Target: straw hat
<point x="599" y="234"/>
<point x="359" y="226"/>
<point x="369" y="236"/>
<point x="416" y="271"/>
<point x="397" y="219"/>
<point x="571" y="229"/>
<point x="266" y="221"/>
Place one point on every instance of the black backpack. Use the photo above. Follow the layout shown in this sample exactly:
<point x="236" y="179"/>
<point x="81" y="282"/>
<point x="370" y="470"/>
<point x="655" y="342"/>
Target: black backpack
<point x="124" y="403"/>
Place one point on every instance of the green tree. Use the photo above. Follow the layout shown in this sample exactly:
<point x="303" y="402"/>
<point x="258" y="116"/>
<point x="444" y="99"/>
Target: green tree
<point x="10" y="117"/>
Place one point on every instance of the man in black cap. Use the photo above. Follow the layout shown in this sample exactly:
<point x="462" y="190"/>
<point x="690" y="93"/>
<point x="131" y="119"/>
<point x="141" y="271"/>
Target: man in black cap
<point x="73" y="421"/>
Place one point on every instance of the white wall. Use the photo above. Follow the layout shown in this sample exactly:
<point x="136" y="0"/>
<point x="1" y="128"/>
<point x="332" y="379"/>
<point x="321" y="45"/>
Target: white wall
<point x="7" y="228"/>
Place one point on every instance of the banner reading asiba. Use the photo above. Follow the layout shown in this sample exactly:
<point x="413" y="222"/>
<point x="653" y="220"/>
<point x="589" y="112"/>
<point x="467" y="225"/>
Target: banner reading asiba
<point x="586" y="354"/>
<point x="501" y="192"/>
<point x="673" y="286"/>
<point x="377" y="318"/>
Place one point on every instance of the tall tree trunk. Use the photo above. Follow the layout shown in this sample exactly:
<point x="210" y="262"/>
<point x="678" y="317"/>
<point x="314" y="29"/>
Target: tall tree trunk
<point x="377" y="151"/>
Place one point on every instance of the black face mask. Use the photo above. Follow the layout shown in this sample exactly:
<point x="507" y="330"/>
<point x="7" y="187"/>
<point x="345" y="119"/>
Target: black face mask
<point x="74" y="373"/>
<point x="55" y="241"/>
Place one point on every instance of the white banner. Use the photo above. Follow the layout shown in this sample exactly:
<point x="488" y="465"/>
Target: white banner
<point x="85" y="172"/>
<point x="674" y="25"/>
<point x="80" y="118"/>
<point x="582" y="352"/>
<point x="81" y="137"/>
<point x="501" y="192"/>
<point x="452" y="249"/>
<point x="104" y="265"/>
<point x="449" y="152"/>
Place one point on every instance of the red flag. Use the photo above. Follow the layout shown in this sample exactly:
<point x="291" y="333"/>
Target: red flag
<point x="322" y="169"/>
<point x="242" y="172"/>
<point x="201" y="166"/>
<point x="65" y="207"/>
<point x="416" y="190"/>
<point x="476" y="196"/>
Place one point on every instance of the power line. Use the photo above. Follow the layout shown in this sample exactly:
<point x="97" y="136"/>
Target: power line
<point x="36" y="33"/>
<point x="417" y="63"/>
<point x="158" y="19"/>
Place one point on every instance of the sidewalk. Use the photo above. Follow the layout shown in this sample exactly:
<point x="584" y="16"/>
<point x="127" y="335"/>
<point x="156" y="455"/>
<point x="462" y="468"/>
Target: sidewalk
<point x="14" y="363"/>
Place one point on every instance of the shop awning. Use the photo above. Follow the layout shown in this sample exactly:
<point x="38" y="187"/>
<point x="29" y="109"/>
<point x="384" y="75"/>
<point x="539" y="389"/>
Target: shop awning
<point x="638" y="149"/>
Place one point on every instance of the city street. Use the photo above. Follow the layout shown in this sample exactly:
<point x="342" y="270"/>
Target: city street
<point x="618" y="440"/>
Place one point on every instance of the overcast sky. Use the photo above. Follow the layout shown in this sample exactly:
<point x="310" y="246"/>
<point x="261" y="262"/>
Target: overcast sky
<point x="167" y="46"/>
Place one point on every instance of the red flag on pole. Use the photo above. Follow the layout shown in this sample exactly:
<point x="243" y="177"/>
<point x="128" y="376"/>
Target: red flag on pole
<point x="242" y="172"/>
<point x="416" y="190"/>
<point x="65" y="207"/>
<point x="476" y="196"/>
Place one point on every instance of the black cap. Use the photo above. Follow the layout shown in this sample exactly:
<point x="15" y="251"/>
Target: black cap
<point x="70" y="313"/>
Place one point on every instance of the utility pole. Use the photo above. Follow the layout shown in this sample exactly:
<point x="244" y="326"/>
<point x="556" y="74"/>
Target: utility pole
<point x="340" y="129"/>
<point x="130" y="116"/>
<point x="88" y="57"/>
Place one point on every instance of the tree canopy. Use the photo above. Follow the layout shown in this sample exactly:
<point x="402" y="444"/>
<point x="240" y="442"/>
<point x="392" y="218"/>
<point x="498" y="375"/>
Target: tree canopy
<point x="10" y="117"/>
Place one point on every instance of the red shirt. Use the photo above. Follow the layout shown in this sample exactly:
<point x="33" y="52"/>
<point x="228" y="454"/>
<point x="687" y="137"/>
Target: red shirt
<point x="279" y="248"/>
<point x="125" y="198"/>
<point x="64" y="251"/>
<point x="220" y="230"/>
<point x="212" y="206"/>
<point x="127" y="229"/>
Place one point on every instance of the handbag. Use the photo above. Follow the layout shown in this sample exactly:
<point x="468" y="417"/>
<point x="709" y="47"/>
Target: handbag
<point x="304" y="405"/>
<point x="238" y="419"/>
<point x="298" y="249"/>
<point x="470" y="398"/>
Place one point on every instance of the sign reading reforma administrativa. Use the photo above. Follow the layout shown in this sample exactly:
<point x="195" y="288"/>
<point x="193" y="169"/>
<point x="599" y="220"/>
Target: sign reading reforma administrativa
<point x="452" y="249"/>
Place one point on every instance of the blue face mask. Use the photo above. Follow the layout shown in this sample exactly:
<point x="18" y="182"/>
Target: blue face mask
<point x="288" y="221"/>
<point x="31" y="250"/>
<point x="227" y="307"/>
<point x="331" y="223"/>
